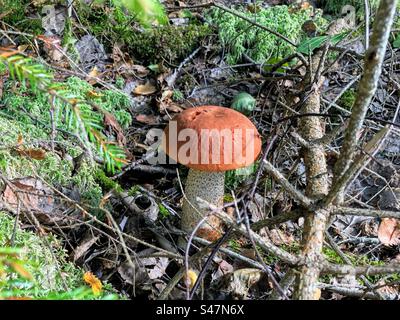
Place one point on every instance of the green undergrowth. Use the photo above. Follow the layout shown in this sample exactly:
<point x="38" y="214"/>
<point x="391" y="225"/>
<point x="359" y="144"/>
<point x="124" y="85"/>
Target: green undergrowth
<point x="347" y="99"/>
<point x="240" y="37"/>
<point x="56" y="169"/>
<point x="113" y="24"/>
<point x="43" y="271"/>
<point x="18" y="16"/>
<point x="38" y="106"/>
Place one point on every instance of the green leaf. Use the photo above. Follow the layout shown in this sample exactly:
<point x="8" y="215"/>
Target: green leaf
<point x="147" y="11"/>
<point x="310" y="44"/>
<point x="396" y="43"/>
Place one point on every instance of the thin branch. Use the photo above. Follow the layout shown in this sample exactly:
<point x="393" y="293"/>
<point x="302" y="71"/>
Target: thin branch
<point x="279" y="178"/>
<point x="368" y="83"/>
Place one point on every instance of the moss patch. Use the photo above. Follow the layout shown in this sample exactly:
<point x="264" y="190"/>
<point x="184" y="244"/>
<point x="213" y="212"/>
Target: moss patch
<point x="18" y="16"/>
<point x="239" y="36"/>
<point x="114" y="24"/>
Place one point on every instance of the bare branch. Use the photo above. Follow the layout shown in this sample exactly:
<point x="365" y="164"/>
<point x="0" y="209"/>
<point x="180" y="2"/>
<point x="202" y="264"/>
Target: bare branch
<point x="368" y="83"/>
<point x="279" y="178"/>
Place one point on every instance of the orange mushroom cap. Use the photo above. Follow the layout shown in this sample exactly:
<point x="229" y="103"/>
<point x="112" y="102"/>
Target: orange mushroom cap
<point x="212" y="138"/>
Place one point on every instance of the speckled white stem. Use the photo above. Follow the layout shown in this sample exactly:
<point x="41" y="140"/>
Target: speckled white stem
<point x="208" y="186"/>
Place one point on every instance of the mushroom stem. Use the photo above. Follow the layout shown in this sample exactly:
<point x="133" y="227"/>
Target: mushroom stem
<point x="208" y="186"/>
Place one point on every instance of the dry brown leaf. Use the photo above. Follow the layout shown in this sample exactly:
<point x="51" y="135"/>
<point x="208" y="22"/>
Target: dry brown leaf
<point x="139" y="70"/>
<point x="52" y="45"/>
<point x="37" y="154"/>
<point x="110" y="120"/>
<point x="147" y="119"/>
<point x="167" y="104"/>
<point x="84" y="247"/>
<point x="92" y="75"/>
<point x="389" y="231"/>
<point x="33" y="195"/>
<point x="145" y="89"/>
<point x="94" y="94"/>
<point x="6" y="52"/>
<point x="20" y="140"/>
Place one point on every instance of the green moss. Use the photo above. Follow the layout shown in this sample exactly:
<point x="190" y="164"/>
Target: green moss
<point x="234" y="245"/>
<point x="233" y="178"/>
<point x="177" y="96"/>
<point x="239" y="36"/>
<point x="332" y="256"/>
<point x="113" y="25"/>
<point x="19" y="16"/>
<point x="163" y="211"/>
<point x="107" y="183"/>
<point x="37" y="104"/>
<point x="171" y="43"/>
<point x="53" y="277"/>
<point x="347" y="99"/>
<point x="134" y="190"/>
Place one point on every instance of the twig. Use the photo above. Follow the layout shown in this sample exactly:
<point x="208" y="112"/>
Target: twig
<point x="264" y="243"/>
<point x="279" y="178"/>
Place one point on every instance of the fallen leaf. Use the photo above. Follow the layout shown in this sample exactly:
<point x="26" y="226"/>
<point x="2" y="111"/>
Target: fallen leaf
<point x="84" y="247"/>
<point x="92" y="75"/>
<point x="94" y="94"/>
<point x="155" y="267"/>
<point x="165" y="103"/>
<point x="133" y="276"/>
<point x="34" y="196"/>
<point x="145" y="89"/>
<point x="139" y="71"/>
<point x="190" y="278"/>
<point x="37" y="154"/>
<point x="6" y="52"/>
<point x="110" y="120"/>
<point x="20" y="140"/>
<point x="389" y="231"/>
<point x="94" y="282"/>
<point x="147" y="119"/>
<point x="52" y="46"/>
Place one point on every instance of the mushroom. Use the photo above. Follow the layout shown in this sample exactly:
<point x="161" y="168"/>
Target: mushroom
<point x="209" y="140"/>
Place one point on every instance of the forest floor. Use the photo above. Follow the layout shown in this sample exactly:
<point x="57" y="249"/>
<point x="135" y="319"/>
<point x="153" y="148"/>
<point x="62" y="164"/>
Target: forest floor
<point x="72" y="224"/>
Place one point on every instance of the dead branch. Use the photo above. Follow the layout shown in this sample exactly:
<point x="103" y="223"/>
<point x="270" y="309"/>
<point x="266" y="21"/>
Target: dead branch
<point x="366" y="89"/>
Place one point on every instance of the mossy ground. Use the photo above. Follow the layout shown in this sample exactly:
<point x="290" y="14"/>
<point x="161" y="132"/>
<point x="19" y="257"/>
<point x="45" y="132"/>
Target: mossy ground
<point x="16" y="123"/>
<point x="239" y="36"/>
<point x="17" y="16"/>
<point x="114" y="24"/>
<point x="46" y="261"/>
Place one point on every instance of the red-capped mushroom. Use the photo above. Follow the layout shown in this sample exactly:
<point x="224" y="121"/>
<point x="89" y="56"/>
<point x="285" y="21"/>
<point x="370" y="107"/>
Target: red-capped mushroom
<point x="209" y="140"/>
